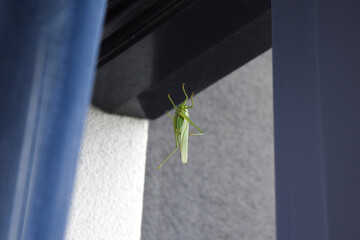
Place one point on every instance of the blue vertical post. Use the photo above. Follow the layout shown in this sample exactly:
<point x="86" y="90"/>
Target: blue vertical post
<point x="316" y="59"/>
<point x="48" y="52"/>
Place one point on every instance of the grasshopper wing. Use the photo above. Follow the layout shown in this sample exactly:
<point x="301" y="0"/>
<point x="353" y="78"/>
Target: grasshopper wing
<point x="184" y="139"/>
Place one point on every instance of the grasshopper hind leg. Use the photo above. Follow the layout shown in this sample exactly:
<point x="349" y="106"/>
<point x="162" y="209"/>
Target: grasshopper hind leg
<point x="167" y="158"/>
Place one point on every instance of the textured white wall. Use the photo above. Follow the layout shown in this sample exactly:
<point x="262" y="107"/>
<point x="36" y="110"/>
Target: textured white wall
<point x="108" y="195"/>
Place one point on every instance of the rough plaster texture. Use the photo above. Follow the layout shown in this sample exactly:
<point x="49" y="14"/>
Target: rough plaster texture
<point x="226" y="190"/>
<point x="108" y="195"/>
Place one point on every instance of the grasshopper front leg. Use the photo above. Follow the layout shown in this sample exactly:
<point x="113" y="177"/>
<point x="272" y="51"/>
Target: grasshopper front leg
<point x="192" y="101"/>
<point x="169" y="114"/>
<point x="176" y="108"/>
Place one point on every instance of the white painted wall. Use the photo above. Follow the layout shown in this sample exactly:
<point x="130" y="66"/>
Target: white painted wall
<point x="108" y="195"/>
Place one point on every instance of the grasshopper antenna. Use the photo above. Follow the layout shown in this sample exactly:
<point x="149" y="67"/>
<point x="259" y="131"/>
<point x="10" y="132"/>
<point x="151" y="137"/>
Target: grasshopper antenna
<point x="202" y="78"/>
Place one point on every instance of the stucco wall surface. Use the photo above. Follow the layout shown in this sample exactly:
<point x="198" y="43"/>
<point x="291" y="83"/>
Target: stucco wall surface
<point x="108" y="195"/>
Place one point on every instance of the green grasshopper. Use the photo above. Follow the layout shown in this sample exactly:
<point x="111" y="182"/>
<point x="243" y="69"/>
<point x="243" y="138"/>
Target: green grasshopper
<point x="181" y="122"/>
